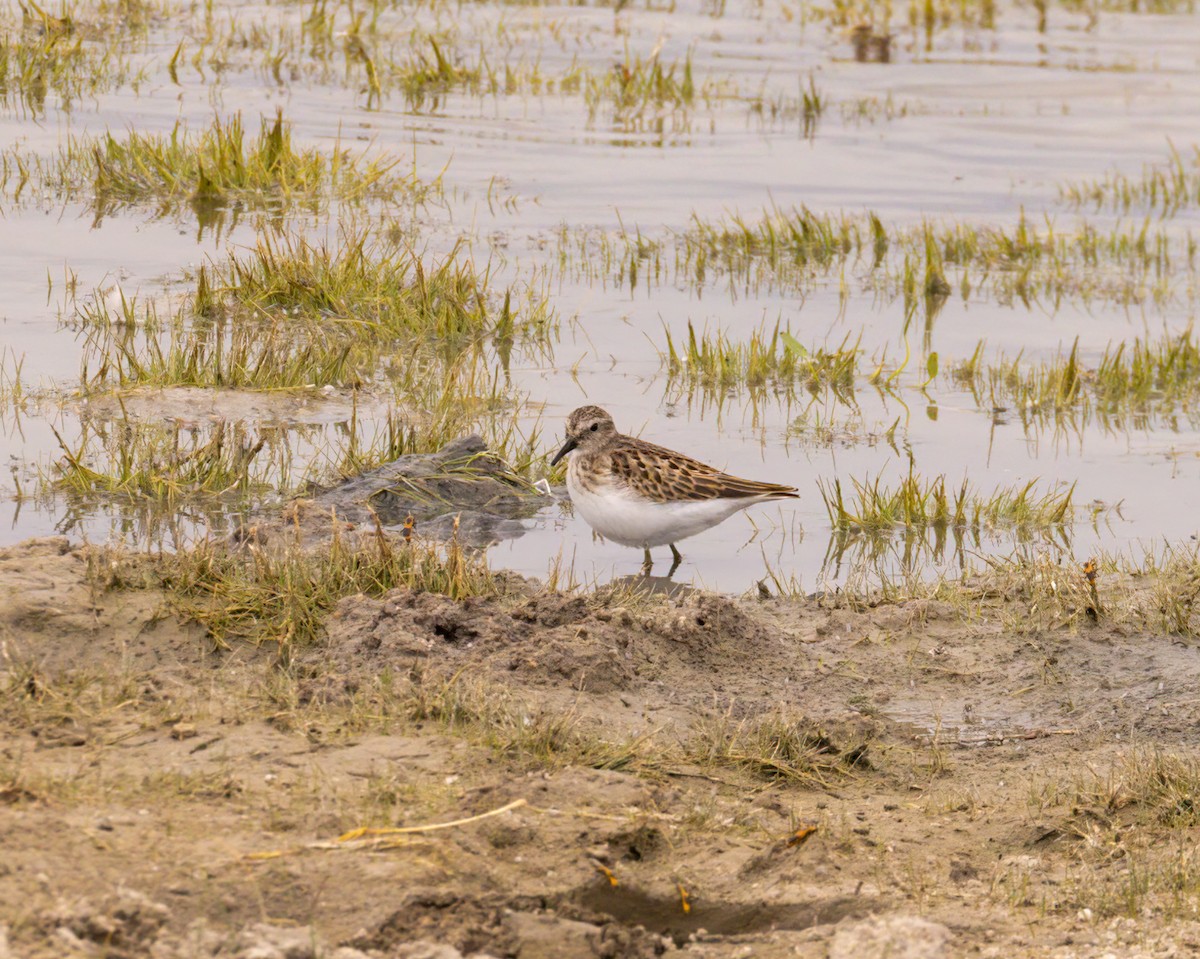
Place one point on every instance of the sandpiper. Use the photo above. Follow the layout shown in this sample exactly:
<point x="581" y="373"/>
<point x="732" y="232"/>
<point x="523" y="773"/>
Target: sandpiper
<point x="639" y="494"/>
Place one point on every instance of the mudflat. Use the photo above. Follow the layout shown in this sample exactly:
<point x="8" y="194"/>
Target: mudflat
<point x="999" y="766"/>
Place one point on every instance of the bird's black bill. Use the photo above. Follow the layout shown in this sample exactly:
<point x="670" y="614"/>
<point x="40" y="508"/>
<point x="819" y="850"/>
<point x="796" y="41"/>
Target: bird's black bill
<point x="567" y="447"/>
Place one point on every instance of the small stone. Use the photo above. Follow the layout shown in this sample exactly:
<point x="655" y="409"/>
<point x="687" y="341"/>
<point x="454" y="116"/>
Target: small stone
<point x="183" y="731"/>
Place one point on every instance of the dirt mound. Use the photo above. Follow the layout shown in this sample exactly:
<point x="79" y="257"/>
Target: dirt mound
<point x="651" y="646"/>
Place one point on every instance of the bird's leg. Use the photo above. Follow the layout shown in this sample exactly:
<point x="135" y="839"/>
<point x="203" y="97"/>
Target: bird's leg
<point x="647" y="563"/>
<point x="678" y="558"/>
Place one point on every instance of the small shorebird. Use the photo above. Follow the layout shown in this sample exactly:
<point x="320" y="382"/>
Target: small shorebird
<point x="639" y="494"/>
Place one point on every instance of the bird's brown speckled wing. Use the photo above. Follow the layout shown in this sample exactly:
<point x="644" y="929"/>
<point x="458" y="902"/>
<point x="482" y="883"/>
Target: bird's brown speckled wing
<point x="661" y="475"/>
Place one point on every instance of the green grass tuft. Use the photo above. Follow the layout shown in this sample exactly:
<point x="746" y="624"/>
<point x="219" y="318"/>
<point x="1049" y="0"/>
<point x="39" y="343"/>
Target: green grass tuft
<point x="283" y="597"/>
<point x="208" y="171"/>
<point x="714" y="365"/>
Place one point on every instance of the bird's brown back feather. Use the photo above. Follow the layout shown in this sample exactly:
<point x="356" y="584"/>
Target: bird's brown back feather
<point x="660" y="474"/>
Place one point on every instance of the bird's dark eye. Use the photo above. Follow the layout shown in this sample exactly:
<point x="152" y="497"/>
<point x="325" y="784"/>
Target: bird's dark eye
<point x="595" y="426"/>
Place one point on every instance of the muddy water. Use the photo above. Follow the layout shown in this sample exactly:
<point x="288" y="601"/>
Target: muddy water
<point x="970" y="125"/>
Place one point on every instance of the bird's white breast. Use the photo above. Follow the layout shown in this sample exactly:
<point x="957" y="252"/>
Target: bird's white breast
<point x="618" y="514"/>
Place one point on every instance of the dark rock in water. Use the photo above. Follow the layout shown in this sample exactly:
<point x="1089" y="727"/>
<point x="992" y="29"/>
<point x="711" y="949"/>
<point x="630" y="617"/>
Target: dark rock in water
<point x="461" y="480"/>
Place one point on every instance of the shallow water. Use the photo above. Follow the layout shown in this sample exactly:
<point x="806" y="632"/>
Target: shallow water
<point x="978" y="126"/>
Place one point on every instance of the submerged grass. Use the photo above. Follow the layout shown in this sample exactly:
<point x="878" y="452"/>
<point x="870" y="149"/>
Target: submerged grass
<point x="207" y="171"/>
<point x="430" y="69"/>
<point x="291" y="314"/>
<point x="637" y="90"/>
<point x="157" y="477"/>
<point x="1126" y="263"/>
<point x="713" y="364"/>
<point x="12" y="391"/>
<point x="426" y="345"/>
<point x="1162" y="189"/>
<point x="921" y="504"/>
<point x="1145" y="377"/>
<point x="63" y="59"/>
<point x="165" y="464"/>
<point x="424" y="60"/>
<point x="1132" y="261"/>
<point x="893" y="535"/>
<point x="925" y="20"/>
